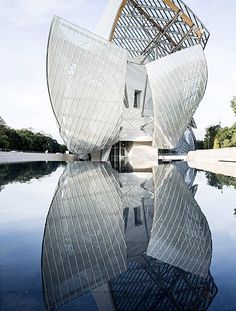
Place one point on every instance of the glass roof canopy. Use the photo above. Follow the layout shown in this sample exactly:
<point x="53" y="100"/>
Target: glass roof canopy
<point x="156" y="28"/>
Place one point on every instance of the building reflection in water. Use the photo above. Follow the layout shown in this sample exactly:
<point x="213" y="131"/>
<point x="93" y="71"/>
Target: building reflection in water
<point x="84" y="243"/>
<point x="136" y="241"/>
<point x="180" y="234"/>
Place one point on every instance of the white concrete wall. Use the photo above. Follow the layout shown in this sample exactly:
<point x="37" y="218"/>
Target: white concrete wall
<point x="219" y="161"/>
<point x="135" y="80"/>
<point x="213" y="155"/>
<point x="107" y="20"/>
<point x="16" y="157"/>
<point x="143" y="156"/>
<point x="223" y="168"/>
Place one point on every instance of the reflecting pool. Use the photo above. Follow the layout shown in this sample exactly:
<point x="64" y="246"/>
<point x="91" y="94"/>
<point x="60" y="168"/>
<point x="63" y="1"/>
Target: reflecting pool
<point x="84" y="236"/>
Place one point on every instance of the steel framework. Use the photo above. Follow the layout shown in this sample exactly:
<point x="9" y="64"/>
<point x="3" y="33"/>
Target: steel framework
<point x="156" y="28"/>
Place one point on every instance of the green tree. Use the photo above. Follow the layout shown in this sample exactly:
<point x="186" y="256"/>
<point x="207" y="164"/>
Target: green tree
<point x="199" y="144"/>
<point x="226" y="137"/>
<point x="63" y="148"/>
<point x="4" y="142"/>
<point x="210" y="135"/>
<point x="25" y="140"/>
<point x="218" y="180"/>
<point x="233" y="104"/>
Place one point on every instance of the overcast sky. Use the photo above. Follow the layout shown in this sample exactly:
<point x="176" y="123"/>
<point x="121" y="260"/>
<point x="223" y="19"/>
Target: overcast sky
<point x="24" y="27"/>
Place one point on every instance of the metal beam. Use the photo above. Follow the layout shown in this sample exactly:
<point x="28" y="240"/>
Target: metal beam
<point x="148" y="33"/>
<point x="149" y="47"/>
<point x="130" y="38"/>
<point x="132" y="50"/>
<point x="144" y="95"/>
<point x="133" y="27"/>
<point x="184" y="17"/>
<point x="182" y="40"/>
<point x="142" y="24"/>
<point x="154" y="7"/>
<point x="154" y="23"/>
<point x="161" y="19"/>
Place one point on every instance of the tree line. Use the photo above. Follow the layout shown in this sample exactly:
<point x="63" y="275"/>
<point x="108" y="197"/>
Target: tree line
<point x="218" y="180"/>
<point x="26" y="140"/>
<point x="219" y="137"/>
<point x="24" y="172"/>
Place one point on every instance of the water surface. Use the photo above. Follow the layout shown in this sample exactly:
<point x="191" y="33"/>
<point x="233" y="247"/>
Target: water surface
<point x="84" y="236"/>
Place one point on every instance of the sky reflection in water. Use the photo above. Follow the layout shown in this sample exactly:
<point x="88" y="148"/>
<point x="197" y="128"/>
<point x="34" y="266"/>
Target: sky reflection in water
<point x="124" y="241"/>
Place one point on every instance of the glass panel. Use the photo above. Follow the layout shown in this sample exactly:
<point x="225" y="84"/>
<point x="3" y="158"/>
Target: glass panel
<point x="178" y="83"/>
<point x="86" y="80"/>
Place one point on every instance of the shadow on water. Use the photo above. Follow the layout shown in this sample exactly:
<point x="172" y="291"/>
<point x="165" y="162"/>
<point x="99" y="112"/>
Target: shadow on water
<point x="133" y="241"/>
<point x="24" y="172"/>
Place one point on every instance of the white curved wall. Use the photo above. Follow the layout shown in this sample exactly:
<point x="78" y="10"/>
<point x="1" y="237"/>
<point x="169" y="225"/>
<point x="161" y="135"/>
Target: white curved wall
<point x="86" y="79"/>
<point x="106" y="22"/>
<point x="178" y="82"/>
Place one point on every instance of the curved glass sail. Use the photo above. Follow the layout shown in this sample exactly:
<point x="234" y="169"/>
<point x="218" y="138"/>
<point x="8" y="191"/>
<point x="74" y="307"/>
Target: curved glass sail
<point x="86" y="79"/>
<point x="83" y="244"/>
<point x="178" y="83"/>
<point x="180" y="234"/>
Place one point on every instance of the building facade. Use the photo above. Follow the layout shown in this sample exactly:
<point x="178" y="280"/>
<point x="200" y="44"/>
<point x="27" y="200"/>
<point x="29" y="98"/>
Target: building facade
<point x="139" y="78"/>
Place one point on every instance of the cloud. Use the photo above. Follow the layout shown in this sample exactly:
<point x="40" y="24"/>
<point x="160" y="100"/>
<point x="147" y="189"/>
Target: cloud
<point x="24" y="99"/>
<point x="28" y="12"/>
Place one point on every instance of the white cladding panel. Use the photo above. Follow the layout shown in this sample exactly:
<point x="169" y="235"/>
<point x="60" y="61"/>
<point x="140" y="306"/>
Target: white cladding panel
<point x="178" y="83"/>
<point x="86" y="78"/>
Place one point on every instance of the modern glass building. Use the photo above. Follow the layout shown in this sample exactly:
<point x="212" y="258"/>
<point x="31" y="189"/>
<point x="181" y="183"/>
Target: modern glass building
<point x="139" y="78"/>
